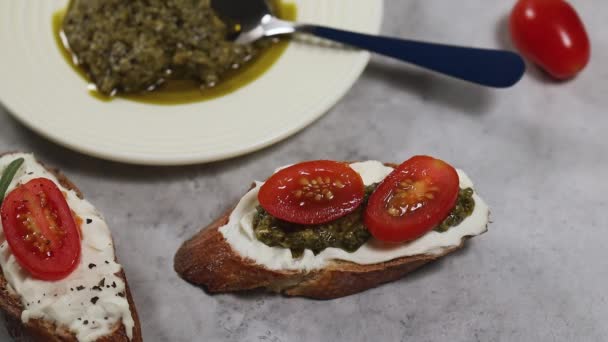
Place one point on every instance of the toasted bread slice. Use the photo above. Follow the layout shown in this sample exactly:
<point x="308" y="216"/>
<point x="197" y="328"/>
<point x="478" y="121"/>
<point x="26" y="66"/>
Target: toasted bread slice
<point x="208" y="259"/>
<point x="41" y="330"/>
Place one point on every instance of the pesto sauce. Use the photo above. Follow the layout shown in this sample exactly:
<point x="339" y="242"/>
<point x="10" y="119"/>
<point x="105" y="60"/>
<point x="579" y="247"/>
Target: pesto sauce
<point x="347" y="233"/>
<point x="191" y="83"/>
<point x="465" y="204"/>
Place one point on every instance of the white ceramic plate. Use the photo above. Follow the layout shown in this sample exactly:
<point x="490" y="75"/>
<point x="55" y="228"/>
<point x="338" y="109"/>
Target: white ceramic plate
<point x="44" y="93"/>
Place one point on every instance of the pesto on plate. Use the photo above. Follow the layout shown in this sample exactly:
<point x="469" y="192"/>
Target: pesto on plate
<point x="137" y="45"/>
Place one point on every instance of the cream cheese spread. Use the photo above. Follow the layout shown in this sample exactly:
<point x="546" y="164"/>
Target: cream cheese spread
<point x="238" y="232"/>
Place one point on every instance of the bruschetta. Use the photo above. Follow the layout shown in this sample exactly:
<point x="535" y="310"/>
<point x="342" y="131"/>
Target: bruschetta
<point x="325" y="229"/>
<point x="60" y="278"/>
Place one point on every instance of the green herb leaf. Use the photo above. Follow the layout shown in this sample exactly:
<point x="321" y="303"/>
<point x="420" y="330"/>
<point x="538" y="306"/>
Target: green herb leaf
<point x="7" y="176"/>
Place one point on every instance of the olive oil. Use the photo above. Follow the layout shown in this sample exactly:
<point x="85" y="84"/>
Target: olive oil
<point x="174" y="92"/>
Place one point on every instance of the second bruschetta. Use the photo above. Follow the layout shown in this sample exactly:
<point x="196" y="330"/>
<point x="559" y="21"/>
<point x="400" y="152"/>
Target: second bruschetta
<point x="60" y="278"/>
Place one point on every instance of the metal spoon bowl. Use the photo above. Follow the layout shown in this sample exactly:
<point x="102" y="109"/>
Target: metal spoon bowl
<point x="489" y="67"/>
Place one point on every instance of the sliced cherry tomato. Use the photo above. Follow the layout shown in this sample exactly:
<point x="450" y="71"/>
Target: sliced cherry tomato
<point x="550" y="34"/>
<point x="40" y="230"/>
<point x="312" y="192"/>
<point x="412" y="199"/>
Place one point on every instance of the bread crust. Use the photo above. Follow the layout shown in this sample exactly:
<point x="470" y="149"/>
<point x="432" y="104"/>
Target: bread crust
<point x="207" y="259"/>
<point x="40" y="330"/>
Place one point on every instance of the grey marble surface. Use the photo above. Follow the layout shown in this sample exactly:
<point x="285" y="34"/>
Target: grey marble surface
<point x="537" y="152"/>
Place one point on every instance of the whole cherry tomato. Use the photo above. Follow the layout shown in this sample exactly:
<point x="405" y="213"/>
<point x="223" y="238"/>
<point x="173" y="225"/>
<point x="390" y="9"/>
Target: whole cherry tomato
<point x="550" y="34"/>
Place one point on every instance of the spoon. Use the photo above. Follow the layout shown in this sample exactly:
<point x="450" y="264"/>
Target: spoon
<point x="494" y="68"/>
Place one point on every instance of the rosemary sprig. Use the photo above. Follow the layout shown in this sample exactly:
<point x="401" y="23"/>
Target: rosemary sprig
<point x="7" y="176"/>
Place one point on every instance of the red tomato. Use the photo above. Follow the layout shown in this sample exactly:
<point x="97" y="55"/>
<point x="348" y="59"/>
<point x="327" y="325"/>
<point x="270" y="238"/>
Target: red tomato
<point x="312" y="192"/>
<point x="550" y="34"/>
<point x="414" y="198"/>
<point x="40" y="230"/>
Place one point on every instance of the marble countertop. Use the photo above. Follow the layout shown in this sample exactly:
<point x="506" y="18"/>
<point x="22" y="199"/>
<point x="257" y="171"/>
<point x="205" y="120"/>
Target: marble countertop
<point x="537" y="152"/>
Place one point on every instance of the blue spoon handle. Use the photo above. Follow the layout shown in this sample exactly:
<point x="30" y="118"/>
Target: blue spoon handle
<point x="494" y="68"/>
